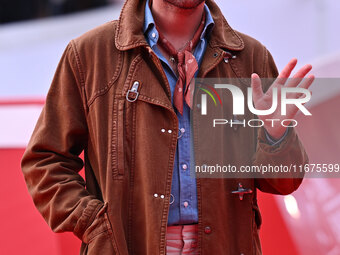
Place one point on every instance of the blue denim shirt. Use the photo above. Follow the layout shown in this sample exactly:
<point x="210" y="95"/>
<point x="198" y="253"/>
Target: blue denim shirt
<point x="183" y="209"/>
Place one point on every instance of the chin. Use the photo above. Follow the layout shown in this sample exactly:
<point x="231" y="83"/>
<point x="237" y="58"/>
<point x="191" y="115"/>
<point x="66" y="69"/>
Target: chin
<point x="185" y="4"/>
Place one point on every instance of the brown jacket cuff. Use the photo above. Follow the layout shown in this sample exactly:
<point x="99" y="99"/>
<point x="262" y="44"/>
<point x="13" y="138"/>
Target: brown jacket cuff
<point x="87" y="217"/>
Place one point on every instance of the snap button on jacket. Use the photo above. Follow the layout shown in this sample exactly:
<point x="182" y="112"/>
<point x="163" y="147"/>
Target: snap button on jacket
<point x="110" y="98"/>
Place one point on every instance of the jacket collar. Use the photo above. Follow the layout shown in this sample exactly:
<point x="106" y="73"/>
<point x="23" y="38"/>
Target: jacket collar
<point x="130" y="35"/>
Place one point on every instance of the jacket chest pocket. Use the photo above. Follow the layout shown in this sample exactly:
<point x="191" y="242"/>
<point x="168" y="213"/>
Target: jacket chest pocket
<point x="122" y="144"/>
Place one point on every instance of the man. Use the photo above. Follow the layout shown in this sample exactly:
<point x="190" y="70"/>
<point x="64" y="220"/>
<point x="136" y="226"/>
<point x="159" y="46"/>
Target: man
<point x="120" y="93"/>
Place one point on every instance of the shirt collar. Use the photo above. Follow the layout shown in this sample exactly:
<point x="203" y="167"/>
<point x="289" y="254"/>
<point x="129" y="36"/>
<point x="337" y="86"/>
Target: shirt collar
<point x="151" y="33"/>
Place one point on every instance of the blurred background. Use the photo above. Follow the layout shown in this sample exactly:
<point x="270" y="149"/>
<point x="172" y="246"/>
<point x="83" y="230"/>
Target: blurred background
<point x="33" y="35"/>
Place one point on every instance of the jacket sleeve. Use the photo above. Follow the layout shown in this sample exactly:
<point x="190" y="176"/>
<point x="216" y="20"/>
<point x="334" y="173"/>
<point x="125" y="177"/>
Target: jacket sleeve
<point x="51" y="161"/>
<point x="290" y="152"/>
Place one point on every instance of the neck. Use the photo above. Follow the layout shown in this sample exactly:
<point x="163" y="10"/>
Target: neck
<point x="177" y="24"/>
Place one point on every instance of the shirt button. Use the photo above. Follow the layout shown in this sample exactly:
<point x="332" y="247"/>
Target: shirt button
<point x="153" y="35"/>
<point x="207" y="230"/>
<point x="185" y="166"/>
<point x="185" y="204"/>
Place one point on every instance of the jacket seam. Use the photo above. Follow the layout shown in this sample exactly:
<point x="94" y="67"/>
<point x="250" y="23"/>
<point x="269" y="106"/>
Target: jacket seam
<point x="118" y="26"/>
<point x="216" y="43"/>
<point x="114" y="144"/>
<point x="79" y="68"/>
<point x="237" y="72"/>
<point x="117" y="36"/>
<point x="130" y="206"/>
<point x="114" y="78"/>
<point x="131" y="72"/>
<point x="234" y="33"/>
<point x="115" y="122"/>
<point x="168" y="184"/>
<point x="81" y="73"/>
<point x="200" y="245"/>
<point x="154" y="101"/>
<point x="111" y="233"/>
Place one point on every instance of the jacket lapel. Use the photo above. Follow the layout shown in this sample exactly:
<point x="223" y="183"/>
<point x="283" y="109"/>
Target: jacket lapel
<point x="129" y="31"/>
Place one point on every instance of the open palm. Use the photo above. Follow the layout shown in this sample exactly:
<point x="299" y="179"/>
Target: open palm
<point x="264" y="101"/>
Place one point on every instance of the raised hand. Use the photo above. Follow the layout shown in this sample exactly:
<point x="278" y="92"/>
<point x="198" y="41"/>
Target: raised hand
<point x="263" y="101"/>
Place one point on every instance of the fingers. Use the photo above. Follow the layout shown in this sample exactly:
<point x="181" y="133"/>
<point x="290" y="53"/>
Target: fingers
<point x="285" y="73"/>
<point x="307" y="82"/>
<point x="256" y="86"/>
<point x="297" y="78"/>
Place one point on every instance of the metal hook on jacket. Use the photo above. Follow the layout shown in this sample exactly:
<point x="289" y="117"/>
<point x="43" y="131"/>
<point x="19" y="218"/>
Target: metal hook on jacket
<point x="133" y="91"/>
<point x="227" y="55"/>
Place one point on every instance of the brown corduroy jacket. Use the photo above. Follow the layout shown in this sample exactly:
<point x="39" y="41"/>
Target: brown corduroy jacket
<point x="127" y="157"/>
